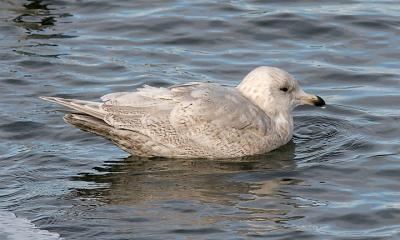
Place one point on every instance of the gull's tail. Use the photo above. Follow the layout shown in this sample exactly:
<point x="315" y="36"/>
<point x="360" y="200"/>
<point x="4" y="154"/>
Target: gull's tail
<point x="129" y="141"/>
<point x="89" y="118"/>
<point x="90" y="108"/>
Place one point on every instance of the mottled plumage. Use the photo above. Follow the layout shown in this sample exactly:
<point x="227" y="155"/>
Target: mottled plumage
<point x="196" y="120"/>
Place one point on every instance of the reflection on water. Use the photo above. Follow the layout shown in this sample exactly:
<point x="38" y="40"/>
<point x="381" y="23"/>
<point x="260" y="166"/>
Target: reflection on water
<point x="178" y="188"/>
<point x="40" y="23"/>
<point x="35" y="17"/>
<point x="135" y="180"/>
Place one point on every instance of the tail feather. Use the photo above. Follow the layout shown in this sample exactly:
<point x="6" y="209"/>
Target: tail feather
<point x="89" y="124"/>
<point x="129" y="141"/>
<point x="90" y="108"/>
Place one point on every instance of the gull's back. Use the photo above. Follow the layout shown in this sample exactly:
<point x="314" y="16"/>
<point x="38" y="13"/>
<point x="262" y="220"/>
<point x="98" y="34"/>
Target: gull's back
<point x="183" y="121"/>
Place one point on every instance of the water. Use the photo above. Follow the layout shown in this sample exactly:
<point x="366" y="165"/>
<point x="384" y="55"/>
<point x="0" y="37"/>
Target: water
<point x="338" y="178"/>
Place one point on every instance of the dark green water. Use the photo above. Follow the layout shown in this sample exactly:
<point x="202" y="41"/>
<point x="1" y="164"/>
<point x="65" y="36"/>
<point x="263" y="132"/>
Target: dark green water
<point x="338" y="178"/>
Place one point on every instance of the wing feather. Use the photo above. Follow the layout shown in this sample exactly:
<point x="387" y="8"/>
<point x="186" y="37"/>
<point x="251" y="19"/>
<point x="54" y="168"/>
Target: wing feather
<point x="194" y="119"/>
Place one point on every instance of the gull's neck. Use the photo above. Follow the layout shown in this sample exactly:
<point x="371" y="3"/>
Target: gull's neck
<point x="284" y="125"/>
<point x="256" y="96"/>
<point x="282" y="119"/>
<point x="263" y="100"/>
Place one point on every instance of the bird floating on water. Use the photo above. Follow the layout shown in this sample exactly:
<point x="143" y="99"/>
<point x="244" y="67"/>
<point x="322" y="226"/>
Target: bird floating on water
<point x="197" y="120"/>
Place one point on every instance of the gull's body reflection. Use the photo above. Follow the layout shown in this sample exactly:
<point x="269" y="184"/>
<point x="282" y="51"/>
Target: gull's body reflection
<point x="245" y="190"/>
<point x="135" y="180"/>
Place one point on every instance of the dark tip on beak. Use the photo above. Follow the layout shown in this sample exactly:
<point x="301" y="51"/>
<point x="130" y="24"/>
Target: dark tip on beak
<point x="320" y="102"/>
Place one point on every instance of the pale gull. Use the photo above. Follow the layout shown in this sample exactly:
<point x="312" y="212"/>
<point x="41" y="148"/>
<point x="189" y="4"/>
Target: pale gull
<point x="197" y="120"/>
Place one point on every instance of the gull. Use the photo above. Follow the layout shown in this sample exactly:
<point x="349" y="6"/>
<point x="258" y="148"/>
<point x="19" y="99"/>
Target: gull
<point x="197" y="119"/>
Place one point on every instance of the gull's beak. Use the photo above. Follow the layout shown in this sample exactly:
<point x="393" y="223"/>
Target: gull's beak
<point x="310" y="99"/>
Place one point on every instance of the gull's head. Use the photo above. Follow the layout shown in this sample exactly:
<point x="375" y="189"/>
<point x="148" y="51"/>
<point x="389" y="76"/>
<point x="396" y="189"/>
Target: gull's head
<point x="275" y="91"/>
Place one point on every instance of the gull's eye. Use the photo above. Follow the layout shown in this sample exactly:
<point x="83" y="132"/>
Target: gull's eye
<point x="284" y="89"/>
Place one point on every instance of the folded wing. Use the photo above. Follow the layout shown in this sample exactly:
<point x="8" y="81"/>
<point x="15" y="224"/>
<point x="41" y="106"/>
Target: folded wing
<point x="194" y="118"/>
<point x="189" y="120"/>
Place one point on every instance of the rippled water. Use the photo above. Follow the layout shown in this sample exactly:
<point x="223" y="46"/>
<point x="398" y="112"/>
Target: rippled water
<point x="338" y="178"/>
